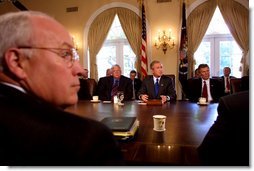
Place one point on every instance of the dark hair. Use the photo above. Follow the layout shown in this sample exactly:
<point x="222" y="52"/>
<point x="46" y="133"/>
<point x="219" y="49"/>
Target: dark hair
<point x="152" y="63"/>
<point x="133" y="71"/>
<point x="202" y="66"/>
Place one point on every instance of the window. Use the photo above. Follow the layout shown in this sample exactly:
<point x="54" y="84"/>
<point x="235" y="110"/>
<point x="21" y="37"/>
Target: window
<point x="218" y="48"/>
<point x="116" y="50"/>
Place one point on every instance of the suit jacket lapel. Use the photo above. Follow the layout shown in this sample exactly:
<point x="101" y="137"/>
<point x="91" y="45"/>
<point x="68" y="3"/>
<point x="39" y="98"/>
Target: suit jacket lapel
<point x="161" y="83"/>
<point x="152" y="86"/>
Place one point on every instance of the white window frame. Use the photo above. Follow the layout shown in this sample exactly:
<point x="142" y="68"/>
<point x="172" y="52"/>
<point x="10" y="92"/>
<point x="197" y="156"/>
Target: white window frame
<point x="215" y="50"/>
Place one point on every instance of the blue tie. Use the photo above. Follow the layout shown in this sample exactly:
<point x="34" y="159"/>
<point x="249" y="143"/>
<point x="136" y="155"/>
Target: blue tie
<point x="157" y="87"/>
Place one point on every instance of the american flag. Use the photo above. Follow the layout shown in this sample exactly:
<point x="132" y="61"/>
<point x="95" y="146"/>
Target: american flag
<point x="143" y="48"/>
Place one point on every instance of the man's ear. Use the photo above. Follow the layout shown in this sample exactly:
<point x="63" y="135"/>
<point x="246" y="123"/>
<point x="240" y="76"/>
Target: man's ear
<point x="14" y="59"/>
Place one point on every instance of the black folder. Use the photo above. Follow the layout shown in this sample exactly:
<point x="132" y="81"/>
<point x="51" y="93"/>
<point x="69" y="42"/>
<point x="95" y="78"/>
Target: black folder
<point x="122" y="126"/>
<point x="119" y="123"/>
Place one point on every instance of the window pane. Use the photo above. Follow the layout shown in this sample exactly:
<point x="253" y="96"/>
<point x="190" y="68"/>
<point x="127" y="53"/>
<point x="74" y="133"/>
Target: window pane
<point x="105" y="59"/>
<point x="129" y="60"/>
<point x="216" y="21"/>
<point x="116" y="31"/>
<point x="230" y="55"/>
<point x="218" y="48"/>
<point x="202" y="55"/>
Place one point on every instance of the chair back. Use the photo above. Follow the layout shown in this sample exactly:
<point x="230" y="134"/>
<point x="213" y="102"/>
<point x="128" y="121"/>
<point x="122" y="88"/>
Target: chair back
<point x="87" y="89"/>
<point x="172" y="76"/>
<point x="235" y="84"/>
<point x="92" y="86"/>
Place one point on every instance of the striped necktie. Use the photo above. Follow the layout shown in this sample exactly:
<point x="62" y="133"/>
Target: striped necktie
<point x="114" y="88"/>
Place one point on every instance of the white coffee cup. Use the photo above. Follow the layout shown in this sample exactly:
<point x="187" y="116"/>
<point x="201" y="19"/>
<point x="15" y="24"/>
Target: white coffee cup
<point x="115" y="99"/>
<point x="159" y="122"/>
<point x="95" y="98"/>
<point x="202" y="100"/>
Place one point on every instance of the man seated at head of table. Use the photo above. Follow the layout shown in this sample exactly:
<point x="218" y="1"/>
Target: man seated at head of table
<point x="109" y="86"/>
<point x="39" y="72"/>
<point x="157" y="86"/>
<point x="209" y="88"/>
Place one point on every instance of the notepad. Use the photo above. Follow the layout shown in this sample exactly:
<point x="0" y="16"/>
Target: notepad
<point x="122" y="126"/>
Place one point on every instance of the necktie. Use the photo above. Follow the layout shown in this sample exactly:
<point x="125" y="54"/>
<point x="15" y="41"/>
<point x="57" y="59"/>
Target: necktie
<point x="156" y="87"/>
<point x="114" y="88"/>
<point x="133" y="91"/>
<point x="204" y="91"/>
<point x="227" y="84"/>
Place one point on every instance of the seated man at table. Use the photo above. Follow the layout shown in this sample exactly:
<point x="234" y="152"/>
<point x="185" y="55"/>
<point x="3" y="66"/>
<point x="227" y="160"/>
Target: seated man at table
<point x="209" y="88"/>
<point x="136" y="83"/>
<point x="109" y="86"/>
<point x="227" y="141"/>
<point x="87" y="86"/>
<point x="39" y="71"/>
<point x="157" y="86"/>
<point x="226" y="80"/>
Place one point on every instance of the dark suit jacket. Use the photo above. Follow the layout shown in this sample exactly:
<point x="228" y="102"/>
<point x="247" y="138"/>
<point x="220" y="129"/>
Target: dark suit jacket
<point x="195" y="89"/>
<point x="227" y="141"/>
<point x="87" y="89"/>
<point x="166" y="88"/>
<point x="35" y="133"/>
<point x="137" y="86"/>
<point x="223" y="82"/>
<point x="105" y="86"/>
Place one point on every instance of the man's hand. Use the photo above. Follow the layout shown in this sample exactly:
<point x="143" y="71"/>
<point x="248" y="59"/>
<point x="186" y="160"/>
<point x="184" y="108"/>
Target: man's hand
<point x="163" y="99"/>
<point x="144" y="97"/>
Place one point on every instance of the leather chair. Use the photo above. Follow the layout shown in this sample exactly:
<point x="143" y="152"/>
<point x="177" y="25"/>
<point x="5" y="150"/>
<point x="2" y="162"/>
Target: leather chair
<point x="87" y="89"/>
<point x="235" y="84"/>
<point x="92" y="86"/>
<point x="172" y="76"/>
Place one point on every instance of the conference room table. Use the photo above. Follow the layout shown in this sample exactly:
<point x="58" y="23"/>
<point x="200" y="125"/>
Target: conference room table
<point x="186" y="125"/>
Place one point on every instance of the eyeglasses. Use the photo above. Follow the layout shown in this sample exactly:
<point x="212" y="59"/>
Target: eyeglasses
<point x="116" y="71"/>
<point x="69" y="55"/>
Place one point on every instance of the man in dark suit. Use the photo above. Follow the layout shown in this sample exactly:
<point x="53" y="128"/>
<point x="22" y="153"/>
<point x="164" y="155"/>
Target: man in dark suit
<point x="109" y="86"/>
<point x="38" y="78"/>
<point x="226" y="80"/>
<point x="87" y="86"/>
<point x="157" y="86"/>
<point x="214" y="87"/>
<point x="136" y="83"/>
<point x="227" y="141"/>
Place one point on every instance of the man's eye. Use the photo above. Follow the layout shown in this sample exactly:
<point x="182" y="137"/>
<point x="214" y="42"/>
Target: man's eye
<point x="66" y="54"/>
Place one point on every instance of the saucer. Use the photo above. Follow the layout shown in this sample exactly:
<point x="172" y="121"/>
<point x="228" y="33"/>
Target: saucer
<point x="95" y="101"/>
<point x="142" y="103"/>
<point x="202" y="104"/>
<point x="159" y="130"/>
<point x="106" y="102"/>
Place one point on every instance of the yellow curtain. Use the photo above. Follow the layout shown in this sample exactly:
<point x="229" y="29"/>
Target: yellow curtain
<point x="237" y="18"/>
<point x="131" y="24"/>
<point x="97" y="35"/>
<point x="197" y="24"/>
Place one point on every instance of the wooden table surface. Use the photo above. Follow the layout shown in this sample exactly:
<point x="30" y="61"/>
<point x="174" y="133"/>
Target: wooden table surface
<point x="186" y="125"/>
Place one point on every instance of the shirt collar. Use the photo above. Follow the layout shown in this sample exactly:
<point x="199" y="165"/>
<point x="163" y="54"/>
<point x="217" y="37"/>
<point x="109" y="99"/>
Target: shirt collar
<point x="14" y="86"/>
<point x="155" y="79"/>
